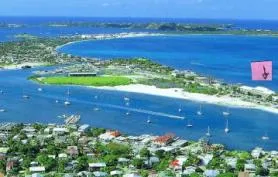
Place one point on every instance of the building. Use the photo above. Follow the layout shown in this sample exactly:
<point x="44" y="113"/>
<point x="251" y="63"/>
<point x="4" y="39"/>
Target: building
<point x="96" y="166"/>
<point x="250" y="168"/>
<point x="40" y="169"/>
<point x="163" y="140"/>
<point x="259" y="91"/>
<point x="211" y="173"/>
<point x="72" y="151"/>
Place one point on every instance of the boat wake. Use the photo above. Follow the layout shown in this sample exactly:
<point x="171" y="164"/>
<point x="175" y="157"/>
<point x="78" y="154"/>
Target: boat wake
<point x="140" y="111"/>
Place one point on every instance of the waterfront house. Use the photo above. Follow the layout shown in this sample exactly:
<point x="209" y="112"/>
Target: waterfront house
<point x="257" y="152"/>
<point x="163" y="140"/>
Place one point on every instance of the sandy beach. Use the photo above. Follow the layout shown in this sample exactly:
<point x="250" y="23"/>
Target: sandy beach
<point x="90" y="37"/>
<point x="179" y="93"/>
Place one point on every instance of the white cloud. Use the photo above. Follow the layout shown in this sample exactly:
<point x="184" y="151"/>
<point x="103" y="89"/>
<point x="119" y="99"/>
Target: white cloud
<point x="105" y="4"/>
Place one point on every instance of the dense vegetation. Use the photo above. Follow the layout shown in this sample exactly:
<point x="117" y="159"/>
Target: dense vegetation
<point x="88" y="81"/>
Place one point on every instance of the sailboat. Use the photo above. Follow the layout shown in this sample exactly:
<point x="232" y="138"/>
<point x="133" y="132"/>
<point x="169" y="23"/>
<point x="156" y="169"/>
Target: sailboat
<point x="189" y="125"/>
<point x="208" y="132"/>
<point x="96" y="108"/>
<point x="199" y="112"/>
<point x="265" y="137"/>
<point x="180" y="109"/>
<point x="227" y="130"/>
<point x="67" y="102"/>
<point x="226" y="113"/>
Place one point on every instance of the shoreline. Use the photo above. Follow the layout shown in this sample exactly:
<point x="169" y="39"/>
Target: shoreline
<point x="197" y="97"/>
<point x="19" y="66"/>
<point x="92" y="37"/>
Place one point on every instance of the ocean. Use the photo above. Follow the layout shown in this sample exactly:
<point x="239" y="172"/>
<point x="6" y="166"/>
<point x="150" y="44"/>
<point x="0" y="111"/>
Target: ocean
<point x="225" y="57"/>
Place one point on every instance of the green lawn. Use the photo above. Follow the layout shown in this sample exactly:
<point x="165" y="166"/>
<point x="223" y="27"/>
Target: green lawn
<point x="87" y="81"/>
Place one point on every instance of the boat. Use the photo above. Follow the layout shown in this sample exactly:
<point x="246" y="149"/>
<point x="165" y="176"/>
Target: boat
<point x="226" y="113"/>
<point x="265" y="137"/>
<point x="126" y="99"/>
<point x="72" y="119"/>
<point x="96" y="109"/>
<point x="189" y="125"/>
<point x="2" y="110"/>
<point x="208" y="132"/>
<point x="67" y="102"/>
<point x="56" y="101"/>
<point x="62" y="116"/>
<point x="127" y="104"/>
<point x="39" y="89"/>
<point x="149" y="120"/>
<point x="180" y="110"/>
<point x="227" y="130"/>
<point x="25" y="96"/>
<point x="199" y="112"/>
<point x="1" y="92"/>
<point x="127" y="113"/>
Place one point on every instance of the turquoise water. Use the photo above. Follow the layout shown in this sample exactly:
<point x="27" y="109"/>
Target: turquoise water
<point x="224" y="57"/>
<point x="246" y="125"/>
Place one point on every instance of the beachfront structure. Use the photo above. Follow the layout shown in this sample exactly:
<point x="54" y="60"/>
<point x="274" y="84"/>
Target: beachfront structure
<point x="260" y="91"/>
<point x="163" y="140"/>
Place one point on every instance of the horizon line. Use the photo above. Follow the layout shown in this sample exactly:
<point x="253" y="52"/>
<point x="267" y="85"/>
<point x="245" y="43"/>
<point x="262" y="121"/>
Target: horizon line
<point x="133" y="17"/>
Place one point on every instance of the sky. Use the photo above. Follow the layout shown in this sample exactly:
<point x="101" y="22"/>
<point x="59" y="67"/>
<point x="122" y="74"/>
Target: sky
<point x="215" y="9"/>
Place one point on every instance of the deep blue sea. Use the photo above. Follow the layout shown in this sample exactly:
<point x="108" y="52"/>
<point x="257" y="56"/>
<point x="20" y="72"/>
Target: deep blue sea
<point x="225" y="57"/>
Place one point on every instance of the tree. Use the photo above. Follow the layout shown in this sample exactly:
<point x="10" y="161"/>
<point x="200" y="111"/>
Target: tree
<point x="227" y="175"/>
<point x="240" y="165"/>
<point x="160" y="154"/>
<point x="262" y="171"/>
<point x="82" y="163"/>
<point x="110" y="160"/>
<point x="2" y="166"/>
<point x="47" y="162"/>
<point x="138" y="163"/>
